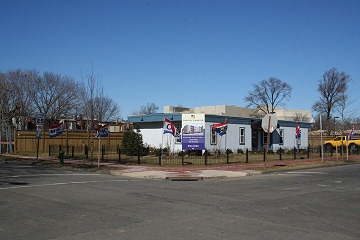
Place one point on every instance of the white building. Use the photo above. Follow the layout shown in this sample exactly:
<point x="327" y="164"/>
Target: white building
<point x="242" y="132"/>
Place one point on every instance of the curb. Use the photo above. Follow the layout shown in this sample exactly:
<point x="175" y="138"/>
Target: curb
<point x="186" y="176"/>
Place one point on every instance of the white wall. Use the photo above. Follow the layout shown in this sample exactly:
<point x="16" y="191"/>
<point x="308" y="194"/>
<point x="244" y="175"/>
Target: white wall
<point x="154" y="138"/>
<point x="290" y="140"/>
<point x="230" y="140"/>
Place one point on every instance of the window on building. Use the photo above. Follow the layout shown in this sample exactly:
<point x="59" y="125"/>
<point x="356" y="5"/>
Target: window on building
<point x="281" y="134"/>
<point x="242" y="136"/>
<point x="213" y="136"/>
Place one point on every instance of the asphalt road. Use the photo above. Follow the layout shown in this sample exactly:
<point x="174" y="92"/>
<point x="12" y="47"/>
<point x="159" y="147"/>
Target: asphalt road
<point x="38" y="202"/>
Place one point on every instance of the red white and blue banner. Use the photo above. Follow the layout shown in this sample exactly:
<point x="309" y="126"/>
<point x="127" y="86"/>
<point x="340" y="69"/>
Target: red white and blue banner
<point x="169" y="127"/>
<point x="103" y="131"/>
<point x="297" y="131"/>
<point x="352" y="133"/>
<point x="221" y="128"/>
<point x="56" y="129"/>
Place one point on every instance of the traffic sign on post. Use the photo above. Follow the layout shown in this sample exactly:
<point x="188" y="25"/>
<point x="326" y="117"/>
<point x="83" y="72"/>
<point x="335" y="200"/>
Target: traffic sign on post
<point x="269" y="124"/>
<point x="273" y="122"/>
<point x="40" y="120"/>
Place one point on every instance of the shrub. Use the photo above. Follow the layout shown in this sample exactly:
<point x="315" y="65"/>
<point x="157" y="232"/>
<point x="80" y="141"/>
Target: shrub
<point x="229" y="151"/>
<point x="240" y="151"/>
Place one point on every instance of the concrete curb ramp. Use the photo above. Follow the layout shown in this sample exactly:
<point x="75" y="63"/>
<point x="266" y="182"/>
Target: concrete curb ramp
<point x="186" y="176"/>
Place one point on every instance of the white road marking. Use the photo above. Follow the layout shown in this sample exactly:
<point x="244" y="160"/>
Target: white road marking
<point x="49" y="174"/>
<point x="62" y="183"/>
<point x="299" y="172"/>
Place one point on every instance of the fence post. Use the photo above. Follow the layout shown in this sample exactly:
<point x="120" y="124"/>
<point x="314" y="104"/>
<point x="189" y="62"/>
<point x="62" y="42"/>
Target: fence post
<point x="227" y="156"/>
<point x="206" y="155"/>
<point x="72" y="151"/>
<point x="308" y="152"/>
<point x="182" y="158"/>
<point x="119" y="153"/>
<point x="160" y="157"/>
<point x="139" y="150"/>
<point x="102" y="152"/>
<point x="294" y="153"/>
<point x="320" y="151"/>
<point x="86" y="151"/>
<point x="349" y="150"/>
<point x="247" y="156"/>
<point x="280" y="154"/>
<point x="49" y="150"/>
<point x="264" y="153"/>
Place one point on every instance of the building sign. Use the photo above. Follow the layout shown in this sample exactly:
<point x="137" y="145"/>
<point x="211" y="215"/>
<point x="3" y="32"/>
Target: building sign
<point x="193" y="131"/>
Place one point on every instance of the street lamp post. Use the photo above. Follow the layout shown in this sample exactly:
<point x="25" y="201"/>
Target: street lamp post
<point x="335" y="125"/>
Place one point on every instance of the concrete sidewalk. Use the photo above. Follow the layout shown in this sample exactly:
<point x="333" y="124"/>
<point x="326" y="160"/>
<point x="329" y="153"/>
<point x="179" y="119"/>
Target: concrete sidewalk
<point x="185" y="173"/>
<point x="180" y="173"/>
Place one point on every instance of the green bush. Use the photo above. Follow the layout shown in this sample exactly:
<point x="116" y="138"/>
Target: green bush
<point x="132" y="143"/>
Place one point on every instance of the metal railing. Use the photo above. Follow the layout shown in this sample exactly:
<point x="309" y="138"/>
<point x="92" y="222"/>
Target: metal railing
<point x="113" y="154"/>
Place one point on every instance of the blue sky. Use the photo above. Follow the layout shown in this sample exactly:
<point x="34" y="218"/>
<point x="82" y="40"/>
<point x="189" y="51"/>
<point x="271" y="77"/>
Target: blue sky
<point x="189" y="52"/>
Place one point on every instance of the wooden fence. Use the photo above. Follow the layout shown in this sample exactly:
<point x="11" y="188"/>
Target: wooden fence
<point x="26" y="141"/>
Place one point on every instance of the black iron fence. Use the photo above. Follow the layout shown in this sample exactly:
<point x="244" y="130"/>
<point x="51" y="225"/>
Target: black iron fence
<point x="113" y="154"/>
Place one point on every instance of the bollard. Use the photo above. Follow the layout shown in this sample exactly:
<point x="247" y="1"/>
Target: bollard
<point x="61" y="156"/>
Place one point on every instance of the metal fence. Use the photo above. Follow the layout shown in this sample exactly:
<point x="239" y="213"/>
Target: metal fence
<point x="113" y="154"/>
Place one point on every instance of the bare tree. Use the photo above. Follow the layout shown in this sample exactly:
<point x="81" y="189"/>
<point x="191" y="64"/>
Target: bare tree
<point x="332" y="88"/>
<point x="300" y="117"/>
<point x="55" y="96"/>
<point x="105" y="108"/>
<point x="343" y="111"/>
<point x="92" y="90"/>
<point x="18" y="96"/>
<point x="269" y="95"/>
<point x="147" y="109"/>
<point x="97" y="106"/>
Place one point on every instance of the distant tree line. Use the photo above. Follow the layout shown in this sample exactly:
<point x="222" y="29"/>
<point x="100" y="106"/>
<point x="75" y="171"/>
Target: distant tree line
<point x="27" y="93"/>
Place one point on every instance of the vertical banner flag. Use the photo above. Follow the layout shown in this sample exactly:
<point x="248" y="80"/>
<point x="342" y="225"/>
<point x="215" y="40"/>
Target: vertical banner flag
<point x="56" y="129"/>
<point x="297" y="131"/>
<point x="193" y="131"/>
<point x="103" y="131"/>
<point x="169" y="127"/>
<point x="351" y="133"/>
<point x="221" y="128"/>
